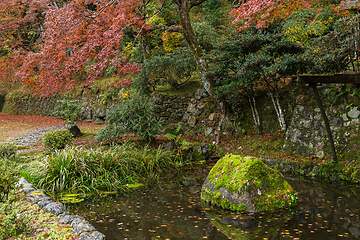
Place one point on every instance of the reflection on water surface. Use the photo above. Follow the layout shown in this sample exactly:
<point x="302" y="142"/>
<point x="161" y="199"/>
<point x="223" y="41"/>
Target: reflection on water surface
<point x="325" y="211"/>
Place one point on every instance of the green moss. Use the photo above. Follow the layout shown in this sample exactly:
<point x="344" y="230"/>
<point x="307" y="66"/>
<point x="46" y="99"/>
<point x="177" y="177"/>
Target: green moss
<point x="134" y="185"/>
<point x="38" y="192"/>
<point x="21" y="220"/>
<point x="248" y="174"/>
<point x="188" y="88"/>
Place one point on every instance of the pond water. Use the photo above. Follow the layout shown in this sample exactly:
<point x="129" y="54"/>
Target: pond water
<point x="325" y="211"/>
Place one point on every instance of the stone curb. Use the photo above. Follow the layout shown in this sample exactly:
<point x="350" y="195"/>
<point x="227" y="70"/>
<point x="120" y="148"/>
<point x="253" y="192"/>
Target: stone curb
<point x="82" y="229"/>
<point x="307" y="170"/>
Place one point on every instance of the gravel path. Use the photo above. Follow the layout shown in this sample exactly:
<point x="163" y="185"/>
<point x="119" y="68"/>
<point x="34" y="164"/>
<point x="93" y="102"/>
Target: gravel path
<point x="34" y="137"/>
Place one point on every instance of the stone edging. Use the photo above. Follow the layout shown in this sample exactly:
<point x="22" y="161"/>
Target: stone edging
<point x="82" y="229"/>
<point x="313" y="169"/>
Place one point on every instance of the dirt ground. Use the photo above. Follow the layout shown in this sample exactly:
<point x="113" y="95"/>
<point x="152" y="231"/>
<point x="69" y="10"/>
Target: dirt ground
<point x="13" y="126"/>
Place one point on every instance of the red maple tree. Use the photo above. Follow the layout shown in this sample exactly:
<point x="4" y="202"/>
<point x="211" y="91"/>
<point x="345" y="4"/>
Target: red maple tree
<point x="263" y="12"/>
<point x="82" y="38"/>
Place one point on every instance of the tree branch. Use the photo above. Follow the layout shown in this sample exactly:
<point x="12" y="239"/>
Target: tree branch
<point x="166" y="28"/>
<point x="194" y="3"/>
<point x="148" y="18"/>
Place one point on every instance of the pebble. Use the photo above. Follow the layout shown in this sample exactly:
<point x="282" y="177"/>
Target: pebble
<point x="34" y="137"/>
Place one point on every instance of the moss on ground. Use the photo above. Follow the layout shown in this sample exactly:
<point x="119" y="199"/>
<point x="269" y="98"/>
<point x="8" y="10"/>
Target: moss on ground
<point x="20" y="219"/>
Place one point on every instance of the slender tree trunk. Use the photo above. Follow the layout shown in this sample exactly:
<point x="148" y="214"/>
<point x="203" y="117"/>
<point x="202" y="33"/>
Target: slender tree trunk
<point x="279" y="112"/>
<point x="188" y="32"/>
<point x="143" y="37"/>
<point x="254" y="111"/>
<point x="145" y="46"/>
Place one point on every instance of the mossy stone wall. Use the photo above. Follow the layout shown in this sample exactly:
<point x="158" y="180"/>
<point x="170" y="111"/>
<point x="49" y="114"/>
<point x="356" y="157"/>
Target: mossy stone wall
<point x="305" y="132"/>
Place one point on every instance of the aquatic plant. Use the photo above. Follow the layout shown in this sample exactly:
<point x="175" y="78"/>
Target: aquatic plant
<point x="79" y="169"/>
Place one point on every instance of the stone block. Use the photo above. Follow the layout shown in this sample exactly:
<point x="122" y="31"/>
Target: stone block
<point x="354" y="113"/>
<point x="208" y="131"/>
<point x="68" y="219"/>
<point x="55" y="208"/>
<point x="192" y="121"/>
<point x="191" y="108"/>
<point x="92" y="236"/>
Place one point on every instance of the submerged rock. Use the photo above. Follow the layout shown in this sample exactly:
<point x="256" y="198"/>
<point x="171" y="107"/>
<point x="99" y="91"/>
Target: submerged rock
<point x="246" y="184"/>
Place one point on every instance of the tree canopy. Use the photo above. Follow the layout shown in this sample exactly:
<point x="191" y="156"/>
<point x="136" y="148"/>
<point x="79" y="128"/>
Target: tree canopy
<point x="60" y="43"/>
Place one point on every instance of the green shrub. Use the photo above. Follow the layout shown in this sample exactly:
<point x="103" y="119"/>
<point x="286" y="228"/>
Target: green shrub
<point x="57" y="139"/>
<point x="7" y="150"/>
<point x="133" y="115"/>
<point x="173" y="68"/>
<point x="69" y="110"/>
<point x="8" y="177"/>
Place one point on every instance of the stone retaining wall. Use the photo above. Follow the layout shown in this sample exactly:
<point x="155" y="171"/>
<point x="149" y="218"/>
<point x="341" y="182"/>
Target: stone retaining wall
<point x="199" y="115"/>
<point x="335" y="172"/>
<point x="306" y="132"/>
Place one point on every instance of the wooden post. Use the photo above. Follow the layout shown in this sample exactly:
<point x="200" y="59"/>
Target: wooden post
<point x="217" y="136"/>
<point x="326" y="121"/>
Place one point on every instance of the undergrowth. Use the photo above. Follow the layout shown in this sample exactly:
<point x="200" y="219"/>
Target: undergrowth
<point x="89" y="170"/>
<point x="21" y="220"/>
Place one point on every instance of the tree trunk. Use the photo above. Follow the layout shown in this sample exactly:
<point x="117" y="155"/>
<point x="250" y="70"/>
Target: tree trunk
<point x="188" y="32"/>
<point x="279" y="112"/>
<point x="254" y="111"/>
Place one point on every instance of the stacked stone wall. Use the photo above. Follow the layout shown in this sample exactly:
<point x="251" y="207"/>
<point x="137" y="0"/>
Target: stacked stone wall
<point x="198" y="114"/>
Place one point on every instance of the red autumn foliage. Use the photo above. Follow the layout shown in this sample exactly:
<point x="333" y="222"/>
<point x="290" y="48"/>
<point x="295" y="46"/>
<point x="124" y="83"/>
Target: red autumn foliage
<point x="263" y="12"/>
<point x="21" y="22"/>
<point x="80" y="40"/>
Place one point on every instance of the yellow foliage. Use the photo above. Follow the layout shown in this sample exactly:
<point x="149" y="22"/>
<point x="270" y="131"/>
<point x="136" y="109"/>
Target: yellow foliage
<point x="125" y="94"/>
<point x="128" y="49"/>
<point x="170" y="40"/>
<point x="301" y="33"/>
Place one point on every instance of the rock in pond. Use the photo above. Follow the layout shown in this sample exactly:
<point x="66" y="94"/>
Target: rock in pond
<point x="246" y="184"/>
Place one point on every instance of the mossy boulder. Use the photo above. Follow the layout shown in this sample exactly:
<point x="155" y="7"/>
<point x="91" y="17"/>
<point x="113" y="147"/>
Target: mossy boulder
<point x="246" y="184"/>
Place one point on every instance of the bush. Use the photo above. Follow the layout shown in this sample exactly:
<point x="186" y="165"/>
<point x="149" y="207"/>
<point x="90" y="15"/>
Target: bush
<point x="8" y="177"/>
<point x="69" y="110"/>
<point x="57" y="139"/>
<point x="7" y="150"/>
<point x="173" y="68"/>
<point x="134" y="115"/>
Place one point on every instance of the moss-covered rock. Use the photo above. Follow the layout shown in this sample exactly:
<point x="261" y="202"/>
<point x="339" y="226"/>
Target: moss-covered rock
<point x="246" y="184"/>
